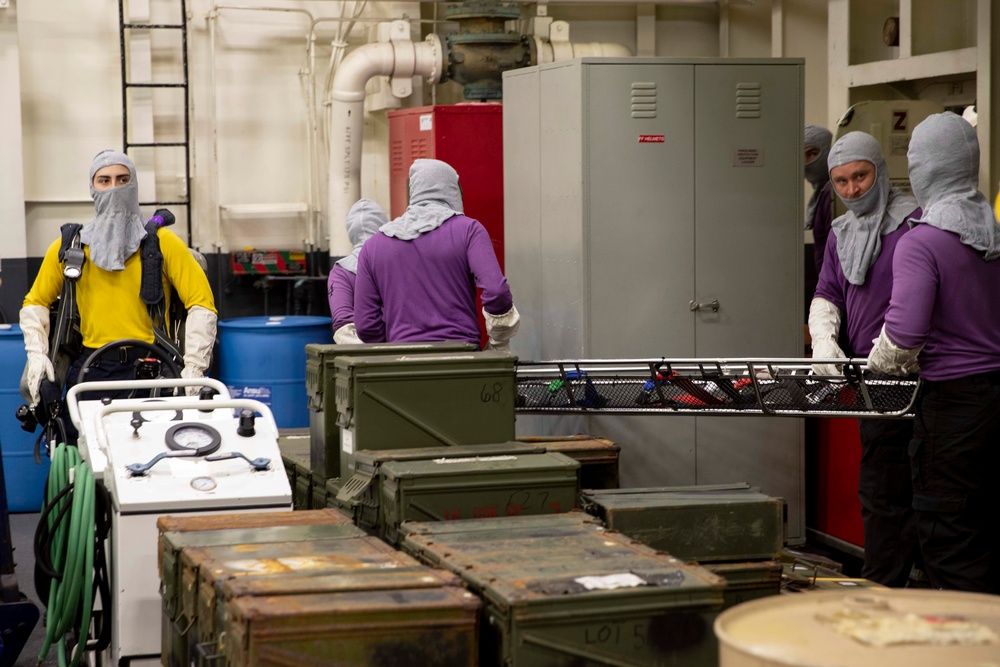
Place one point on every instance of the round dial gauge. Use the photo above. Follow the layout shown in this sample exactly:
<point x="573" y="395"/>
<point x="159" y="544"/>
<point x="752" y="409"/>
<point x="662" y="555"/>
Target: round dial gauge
<point x="203" y="484"/>
<point x="157" y="415"/>
<point x="200" y="437"/>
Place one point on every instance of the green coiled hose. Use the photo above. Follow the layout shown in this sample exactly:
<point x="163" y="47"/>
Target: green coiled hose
<point x="71" y="553"/>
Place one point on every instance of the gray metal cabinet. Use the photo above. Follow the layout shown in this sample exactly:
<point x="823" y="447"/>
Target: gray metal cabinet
<point x="634" y="187"/>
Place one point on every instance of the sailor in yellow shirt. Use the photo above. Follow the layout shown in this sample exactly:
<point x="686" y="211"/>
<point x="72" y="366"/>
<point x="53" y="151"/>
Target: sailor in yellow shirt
<point x="107" y="290"/>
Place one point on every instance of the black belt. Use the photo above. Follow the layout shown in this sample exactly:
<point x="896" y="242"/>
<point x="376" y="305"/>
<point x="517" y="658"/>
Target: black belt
<point x="126" y="354"/>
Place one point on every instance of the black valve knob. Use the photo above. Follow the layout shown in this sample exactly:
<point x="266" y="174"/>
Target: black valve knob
<point x="246" y="428"/>
<point x="207" y="394"/>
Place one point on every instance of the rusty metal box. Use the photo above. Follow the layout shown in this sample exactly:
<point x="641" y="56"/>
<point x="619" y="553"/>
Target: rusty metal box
<point x="429" y="627"/>
<point x="598" y="457"/>
<point x="425" y="400"/>
<point x="703" y="523"/>
<point x="562" y="590"/>
<point x="178" y="533"/>
<point x="283" y="575"/>
<point x="749" y="580"/>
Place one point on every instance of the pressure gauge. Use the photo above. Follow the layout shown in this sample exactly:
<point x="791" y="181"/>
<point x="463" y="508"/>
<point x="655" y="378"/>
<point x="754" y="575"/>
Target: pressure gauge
<point x="141" y="416"/>
<point x="189" y="435"/>
<point x="203" y="484"/>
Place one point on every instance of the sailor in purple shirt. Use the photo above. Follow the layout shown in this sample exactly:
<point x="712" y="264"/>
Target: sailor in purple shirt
<point x="819" y="210"/>
<point x="363" y="221"/>
<point x="944" y="315"/>
<point x="417" y="277"/>
<point x="856" y="280"/>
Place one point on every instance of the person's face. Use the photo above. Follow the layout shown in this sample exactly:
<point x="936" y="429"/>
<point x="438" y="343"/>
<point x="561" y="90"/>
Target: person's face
<point x="111" y="177"/>
<point x="811" y="153"/>
<point x="853" y="179"/>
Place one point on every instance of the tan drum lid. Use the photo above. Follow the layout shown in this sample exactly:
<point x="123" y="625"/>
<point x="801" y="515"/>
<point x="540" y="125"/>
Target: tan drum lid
<point x="871" y="628"/>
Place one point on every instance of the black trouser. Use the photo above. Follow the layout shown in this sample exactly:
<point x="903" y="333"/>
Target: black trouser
<point x="955" y="456"/>
<point x="886" y="496"/>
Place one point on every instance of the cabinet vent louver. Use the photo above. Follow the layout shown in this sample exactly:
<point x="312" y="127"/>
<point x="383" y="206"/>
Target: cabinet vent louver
<point x="748" y="100"/>
<point x="643" y="99"/>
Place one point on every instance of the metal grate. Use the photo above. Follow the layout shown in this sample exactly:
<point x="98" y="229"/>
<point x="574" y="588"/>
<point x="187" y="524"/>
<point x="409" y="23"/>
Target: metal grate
<point x="776" y="387"/>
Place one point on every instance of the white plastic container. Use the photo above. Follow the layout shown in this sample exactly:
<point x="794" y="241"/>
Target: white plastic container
<point x="872" y="628"/>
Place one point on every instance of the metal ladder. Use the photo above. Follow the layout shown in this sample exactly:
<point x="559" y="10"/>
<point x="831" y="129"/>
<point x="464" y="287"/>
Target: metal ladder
<point x="123" y="31"/>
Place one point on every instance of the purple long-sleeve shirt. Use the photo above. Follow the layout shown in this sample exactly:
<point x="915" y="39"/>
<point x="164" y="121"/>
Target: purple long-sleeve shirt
<point x="865" y="305"/>
<point x="946" y="297"/>
<point x="340" y="291"/>
<point x="425" y="289"/>
<point x="822" y="222"/>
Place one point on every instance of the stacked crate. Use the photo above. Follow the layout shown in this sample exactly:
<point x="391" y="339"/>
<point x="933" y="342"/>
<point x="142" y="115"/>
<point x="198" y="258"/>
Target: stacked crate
<point x="316" y="591"/>
<point x="425" y="400"/>
<point x="598" y="457"/>
<point x="561" y="590"/>
<point x="324" y="428"/>
<point x="732" y="530"/>
<point x="390" y="486"/>
<point x="180" y="532"/>
<point x="294" y="448"/>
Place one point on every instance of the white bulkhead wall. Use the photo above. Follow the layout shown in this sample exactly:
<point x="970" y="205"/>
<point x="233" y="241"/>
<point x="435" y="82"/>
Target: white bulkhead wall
<point x="251" y="175"/>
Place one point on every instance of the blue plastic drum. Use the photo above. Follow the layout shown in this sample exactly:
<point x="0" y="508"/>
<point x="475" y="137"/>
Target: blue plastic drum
<point x="25" y="479"/>
<point x="264" y="358"/>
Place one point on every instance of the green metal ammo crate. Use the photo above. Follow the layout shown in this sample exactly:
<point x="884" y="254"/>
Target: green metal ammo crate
<point x="598" y="457"/>
<point x="359" y="495"/>
<point x="748" y="581"/>
<point x="562" y="590"/>
<point x="324" y="433"/>
<point x="425" y="400"/>
<point x="179" y="532"/>
<point x="474" y="487"/>
<point x="703" y="523"/>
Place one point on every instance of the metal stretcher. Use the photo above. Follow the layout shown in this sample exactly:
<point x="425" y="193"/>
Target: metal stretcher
<point x="737" y="387"/>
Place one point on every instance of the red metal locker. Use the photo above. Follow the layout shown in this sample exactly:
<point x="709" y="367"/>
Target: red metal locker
<point x="835" y="488"/>
<point x="467" y="136"/>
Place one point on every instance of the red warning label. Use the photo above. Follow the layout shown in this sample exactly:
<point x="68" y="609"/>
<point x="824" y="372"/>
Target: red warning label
<point x="651" y="138"/>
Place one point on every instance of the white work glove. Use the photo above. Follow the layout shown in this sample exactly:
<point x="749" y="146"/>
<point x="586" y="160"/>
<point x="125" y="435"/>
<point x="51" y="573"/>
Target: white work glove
<point x="346" y="335"/>
<point x="501" y="328"/>
<point x="887" y="357"/>
<point x="199" y="339"/>
<point x="824" y="328"/>
<point x="34" y="322"/>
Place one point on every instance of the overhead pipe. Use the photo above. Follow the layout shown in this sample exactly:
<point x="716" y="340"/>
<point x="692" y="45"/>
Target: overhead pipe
<point x="558" y="47"/>
<point x="402" y="60"/>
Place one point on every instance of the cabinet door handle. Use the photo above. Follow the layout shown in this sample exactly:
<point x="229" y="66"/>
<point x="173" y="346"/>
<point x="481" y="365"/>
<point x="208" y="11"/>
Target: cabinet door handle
<point x="712" y="305"/>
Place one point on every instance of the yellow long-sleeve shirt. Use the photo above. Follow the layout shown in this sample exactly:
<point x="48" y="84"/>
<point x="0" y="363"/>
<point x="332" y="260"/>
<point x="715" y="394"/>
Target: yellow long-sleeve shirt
<point x="109" y="302"/>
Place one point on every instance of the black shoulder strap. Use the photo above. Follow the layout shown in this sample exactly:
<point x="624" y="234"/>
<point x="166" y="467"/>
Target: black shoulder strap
<point x="151" y="288"/>
<point x="70" y="235"/>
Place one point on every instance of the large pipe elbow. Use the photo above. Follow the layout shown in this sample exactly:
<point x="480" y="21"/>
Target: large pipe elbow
<point x="395" y="59"/>
<point x="359" y="67"/>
